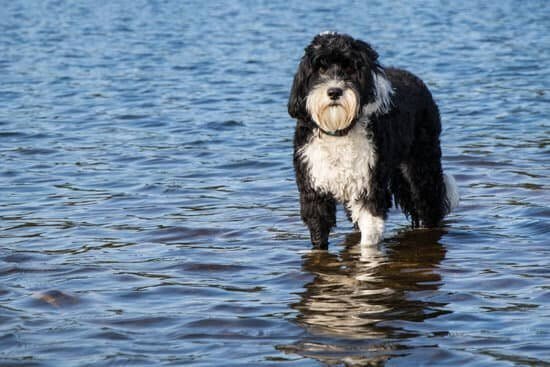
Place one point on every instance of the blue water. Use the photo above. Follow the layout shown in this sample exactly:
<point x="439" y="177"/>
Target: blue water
<point x="149" y="215"/>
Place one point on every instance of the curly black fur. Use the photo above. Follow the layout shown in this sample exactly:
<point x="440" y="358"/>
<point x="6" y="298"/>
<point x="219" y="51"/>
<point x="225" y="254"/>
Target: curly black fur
<point x="405" y="137"/>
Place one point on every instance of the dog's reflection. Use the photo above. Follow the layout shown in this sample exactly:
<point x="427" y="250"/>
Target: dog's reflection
<point x="354" y="306"/>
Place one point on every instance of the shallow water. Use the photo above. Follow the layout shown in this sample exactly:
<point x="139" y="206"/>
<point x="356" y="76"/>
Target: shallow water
<point x="149" y="214"/>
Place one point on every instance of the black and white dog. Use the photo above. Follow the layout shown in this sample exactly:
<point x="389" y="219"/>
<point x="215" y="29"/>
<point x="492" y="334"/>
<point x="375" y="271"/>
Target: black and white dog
<point x="364" y="134"/>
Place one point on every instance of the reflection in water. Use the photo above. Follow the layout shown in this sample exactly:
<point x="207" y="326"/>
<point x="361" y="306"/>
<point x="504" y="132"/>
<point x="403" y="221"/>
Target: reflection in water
<point x="358" y="299"/>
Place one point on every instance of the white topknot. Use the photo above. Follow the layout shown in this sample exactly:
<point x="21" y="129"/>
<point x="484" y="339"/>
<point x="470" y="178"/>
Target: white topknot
<point x="328" y="33"/>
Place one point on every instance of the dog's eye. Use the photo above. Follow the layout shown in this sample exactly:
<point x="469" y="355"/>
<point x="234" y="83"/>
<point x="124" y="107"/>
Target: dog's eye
<point x="350" y="70"/>
<point x="322" y="70"/>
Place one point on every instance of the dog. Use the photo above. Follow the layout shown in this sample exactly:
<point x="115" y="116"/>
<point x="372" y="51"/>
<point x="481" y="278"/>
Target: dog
<point x="366" y="136"/>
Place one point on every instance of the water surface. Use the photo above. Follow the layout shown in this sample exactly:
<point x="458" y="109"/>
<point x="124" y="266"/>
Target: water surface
<point x="149" y="214"/>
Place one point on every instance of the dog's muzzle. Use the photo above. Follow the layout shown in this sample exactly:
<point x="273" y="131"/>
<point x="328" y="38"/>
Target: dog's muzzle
<point x="333" y="107"/>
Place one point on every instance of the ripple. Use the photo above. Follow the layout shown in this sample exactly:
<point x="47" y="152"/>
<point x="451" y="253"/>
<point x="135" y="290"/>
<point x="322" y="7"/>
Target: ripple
<point x="149" y="212"/>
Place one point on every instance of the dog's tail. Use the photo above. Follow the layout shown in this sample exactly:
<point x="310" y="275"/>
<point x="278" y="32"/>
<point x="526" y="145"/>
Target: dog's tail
<point x="452" y="197"/>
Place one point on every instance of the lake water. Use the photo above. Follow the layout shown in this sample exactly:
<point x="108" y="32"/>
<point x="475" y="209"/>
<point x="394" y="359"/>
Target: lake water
<point x="149" y="215"/>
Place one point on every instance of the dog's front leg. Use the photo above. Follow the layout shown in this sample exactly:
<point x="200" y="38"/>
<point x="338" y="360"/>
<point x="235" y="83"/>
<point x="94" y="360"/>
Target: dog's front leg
<point x="370" y="209"/>
<point x="319" y="214"/>
<point x="370" y="225"/>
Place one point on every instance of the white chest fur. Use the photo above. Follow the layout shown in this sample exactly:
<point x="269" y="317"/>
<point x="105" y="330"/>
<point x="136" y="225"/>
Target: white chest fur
<point x="340" y="165"/>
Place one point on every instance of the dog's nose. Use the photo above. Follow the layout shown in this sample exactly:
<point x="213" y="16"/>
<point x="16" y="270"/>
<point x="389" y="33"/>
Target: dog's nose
<point x="335" y="93"/>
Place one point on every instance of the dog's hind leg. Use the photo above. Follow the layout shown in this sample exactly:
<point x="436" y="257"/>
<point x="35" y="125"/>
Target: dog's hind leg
<point x="319" y="214"/>
<point x="427" y="188"/>
<point x="427" y="193"/>
<point x="401" y="190"/>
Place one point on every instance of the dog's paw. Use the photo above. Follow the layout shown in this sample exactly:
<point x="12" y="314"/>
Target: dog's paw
<point x="319" y="239"/>
<point x="372" y="236"/>
<point x="372" y="228"/>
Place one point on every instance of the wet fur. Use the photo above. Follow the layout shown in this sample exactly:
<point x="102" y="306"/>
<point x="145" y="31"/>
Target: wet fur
<point x="397" y="130"/>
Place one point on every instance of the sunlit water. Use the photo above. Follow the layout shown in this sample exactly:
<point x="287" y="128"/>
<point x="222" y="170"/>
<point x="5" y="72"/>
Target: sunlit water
<point x="149" y="214"/>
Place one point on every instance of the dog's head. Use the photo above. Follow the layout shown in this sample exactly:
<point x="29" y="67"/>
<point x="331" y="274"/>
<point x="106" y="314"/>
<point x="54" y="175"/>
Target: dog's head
<point x="338" y="80"/>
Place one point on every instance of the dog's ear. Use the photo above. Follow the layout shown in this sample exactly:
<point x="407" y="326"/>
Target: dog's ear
<point x="297" y="98"/>
<point x="378" y="96"/>
<point x="366" y="53"/>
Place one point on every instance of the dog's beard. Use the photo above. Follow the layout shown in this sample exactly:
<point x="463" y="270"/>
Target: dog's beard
<point x="332" y="115"/>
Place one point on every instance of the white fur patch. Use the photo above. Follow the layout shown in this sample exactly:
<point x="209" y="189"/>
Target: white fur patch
<point x="340" y="165"/>
<point x="453" y="198"/>
<point x="372" y="227"/>
<point x="382" y="95"/>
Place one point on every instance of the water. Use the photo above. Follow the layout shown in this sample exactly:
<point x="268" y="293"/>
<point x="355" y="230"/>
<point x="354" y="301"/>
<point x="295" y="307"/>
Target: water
<point x="149" y="214"/>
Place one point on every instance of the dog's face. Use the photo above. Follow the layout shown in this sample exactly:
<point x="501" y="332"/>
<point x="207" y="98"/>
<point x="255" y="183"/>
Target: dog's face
<point x="333" y="99"/>
<point x="338" y="77"/>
